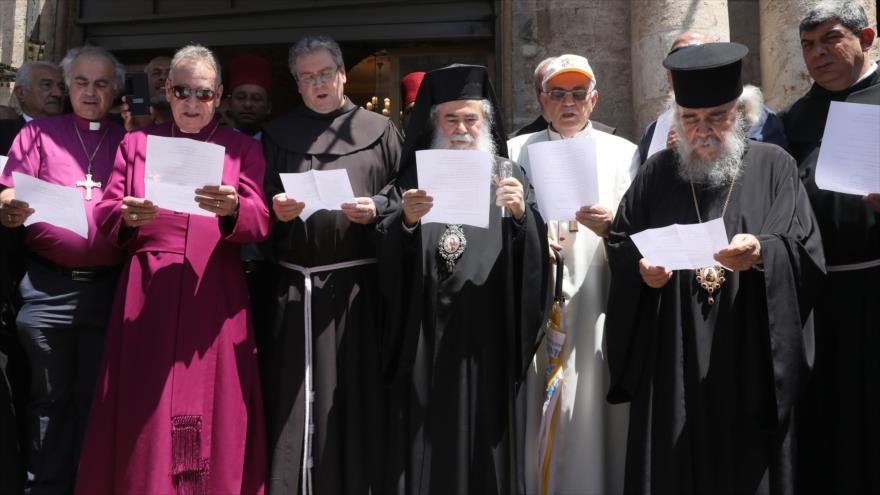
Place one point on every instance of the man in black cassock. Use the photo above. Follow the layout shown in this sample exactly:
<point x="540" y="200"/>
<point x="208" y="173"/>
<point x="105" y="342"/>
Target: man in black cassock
<point x="841" y="407"/>
<point x="466" y="305"/>
<point x="713" y="377"/>
<point x="325" y="335"/>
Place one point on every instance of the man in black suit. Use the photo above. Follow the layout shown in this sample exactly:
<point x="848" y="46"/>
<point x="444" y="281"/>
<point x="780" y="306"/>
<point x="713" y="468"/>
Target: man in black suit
<point x="39" y="91"/>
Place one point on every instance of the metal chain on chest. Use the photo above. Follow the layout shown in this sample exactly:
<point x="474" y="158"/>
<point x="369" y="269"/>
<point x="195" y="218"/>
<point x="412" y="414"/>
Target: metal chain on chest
<point x="712" y="277"/>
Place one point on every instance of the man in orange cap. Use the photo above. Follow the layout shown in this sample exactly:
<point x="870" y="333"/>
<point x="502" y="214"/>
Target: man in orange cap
<point x="249" y="104"/>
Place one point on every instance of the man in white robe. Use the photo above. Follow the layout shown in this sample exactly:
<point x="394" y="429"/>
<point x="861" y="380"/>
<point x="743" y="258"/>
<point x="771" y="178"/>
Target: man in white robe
<point x="590" y="434"/>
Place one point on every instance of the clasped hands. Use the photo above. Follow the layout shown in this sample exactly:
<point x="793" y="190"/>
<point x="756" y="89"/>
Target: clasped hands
<point x="417" y="203"/>
<point x="362" y="211"/>
<point x="219" y="200"/>
<point x="743" y="252"/>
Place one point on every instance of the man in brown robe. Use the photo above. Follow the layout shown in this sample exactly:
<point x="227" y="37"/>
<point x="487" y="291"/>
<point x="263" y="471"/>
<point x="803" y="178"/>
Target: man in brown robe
<point x="323" y="342"/>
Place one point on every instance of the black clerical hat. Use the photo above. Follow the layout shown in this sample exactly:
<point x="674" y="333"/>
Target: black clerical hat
<point x="454" y="82"/>
<point x="706" y="75"/>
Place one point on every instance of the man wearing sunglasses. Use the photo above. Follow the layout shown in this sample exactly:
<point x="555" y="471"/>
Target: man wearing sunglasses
<point x="569" y="96"/>
<point x="328" y="349"/>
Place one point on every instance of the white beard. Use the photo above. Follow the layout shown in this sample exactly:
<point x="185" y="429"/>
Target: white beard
<point x="483" y="142"/>
<point x="716" y="173"/>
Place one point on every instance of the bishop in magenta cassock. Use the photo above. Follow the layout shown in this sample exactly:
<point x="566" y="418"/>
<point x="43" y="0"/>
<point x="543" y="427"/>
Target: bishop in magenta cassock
<point x="69" y="280"/>
<point x="178" y="406"/>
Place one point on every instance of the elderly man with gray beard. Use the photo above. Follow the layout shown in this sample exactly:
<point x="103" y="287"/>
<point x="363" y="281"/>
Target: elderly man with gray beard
<point x="465" y="304"/>
<point x="712" y="377"/>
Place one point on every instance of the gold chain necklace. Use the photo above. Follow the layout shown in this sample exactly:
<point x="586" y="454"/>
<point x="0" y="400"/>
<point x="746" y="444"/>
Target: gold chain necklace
<point x="88" y="184"/>
<point x="711" y="278"/>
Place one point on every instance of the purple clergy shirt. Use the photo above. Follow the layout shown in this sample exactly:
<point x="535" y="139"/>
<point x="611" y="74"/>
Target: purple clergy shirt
<point x="49" y="149"/>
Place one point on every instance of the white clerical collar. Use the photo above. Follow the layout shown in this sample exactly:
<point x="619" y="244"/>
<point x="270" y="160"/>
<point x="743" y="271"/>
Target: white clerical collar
<point x="94" y="126"/>
<point x="871" y="69"/>
<point x="555" y="136"/>
<point x="27" y="118"/>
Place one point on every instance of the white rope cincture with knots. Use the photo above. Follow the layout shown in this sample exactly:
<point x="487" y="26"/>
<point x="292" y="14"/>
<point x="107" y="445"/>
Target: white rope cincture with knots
<point x="308" y="423"/>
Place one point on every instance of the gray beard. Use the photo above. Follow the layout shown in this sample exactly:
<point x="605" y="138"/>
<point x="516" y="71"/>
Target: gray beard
<point x="716" y="173"/>
<point x="484" y="142"/>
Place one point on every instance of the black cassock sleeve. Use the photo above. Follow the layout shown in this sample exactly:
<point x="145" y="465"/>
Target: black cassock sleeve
<point x="794" y="268"/>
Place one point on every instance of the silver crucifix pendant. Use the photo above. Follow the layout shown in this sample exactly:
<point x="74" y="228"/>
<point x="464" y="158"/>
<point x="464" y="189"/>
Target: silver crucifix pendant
<point x="88" y="185"/>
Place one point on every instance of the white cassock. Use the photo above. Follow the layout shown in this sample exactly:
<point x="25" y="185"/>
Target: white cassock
<point x="590" y="433"/>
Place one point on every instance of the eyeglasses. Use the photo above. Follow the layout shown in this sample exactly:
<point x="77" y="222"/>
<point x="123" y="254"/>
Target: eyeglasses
<point x="322" y="77"/>
<point x="182" y="92"/>
<point x="559" y="94"/>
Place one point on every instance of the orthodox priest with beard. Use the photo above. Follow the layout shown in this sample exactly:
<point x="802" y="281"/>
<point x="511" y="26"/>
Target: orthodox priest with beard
<point x="712" y="377"/>
<point x="465" y="321"/>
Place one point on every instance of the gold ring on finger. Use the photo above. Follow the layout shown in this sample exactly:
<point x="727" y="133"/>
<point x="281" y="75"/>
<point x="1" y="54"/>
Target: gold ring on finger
<point x="134" y="217"/>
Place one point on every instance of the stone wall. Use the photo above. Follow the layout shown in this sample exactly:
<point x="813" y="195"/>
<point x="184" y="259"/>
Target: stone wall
<point x="50" y="22"/>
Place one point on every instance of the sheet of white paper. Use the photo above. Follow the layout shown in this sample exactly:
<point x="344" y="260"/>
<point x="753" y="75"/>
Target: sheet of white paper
<point x="849" y="159"/>
<point x="682" y="247"/>
<point x="176" y="167"/>
<point x="318" y="189"/>
<point x="334" y="187"/>
<point x="52" y="203"/>
<point x="459" y="181"/>
<point x="661" y="133"/>
<point x="3" y="162"/>
<point x="564" y="176"/>
<point x="303" y="187"/>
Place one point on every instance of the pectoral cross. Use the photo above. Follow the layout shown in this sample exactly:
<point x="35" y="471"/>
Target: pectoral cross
<point x="88" y="185"/>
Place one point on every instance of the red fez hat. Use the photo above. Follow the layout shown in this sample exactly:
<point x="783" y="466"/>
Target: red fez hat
<point x="409" y="86"/>
<point x="250" y="69"/>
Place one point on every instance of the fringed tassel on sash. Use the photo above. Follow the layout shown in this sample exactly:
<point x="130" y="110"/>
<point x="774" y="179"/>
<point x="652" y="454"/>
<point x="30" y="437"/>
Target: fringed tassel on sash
<point x="188" y="469"/>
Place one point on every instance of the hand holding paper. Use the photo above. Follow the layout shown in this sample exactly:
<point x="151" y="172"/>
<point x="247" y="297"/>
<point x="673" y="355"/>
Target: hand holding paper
<point x="682" y="247"/>
<point x="13" y="212"/>
<point x="286" y="209"/>
<point x="564" y="176"/>
<point x="459" y="182"/>
<point x="176" y="167"/>
<point x="137" y="212"/>
<point x="318" y="190"/>
<point x="743" y="252"/>
<point x="416" y="204"/>
<point x="52" y="203"/>
<point x="362" y="211"/>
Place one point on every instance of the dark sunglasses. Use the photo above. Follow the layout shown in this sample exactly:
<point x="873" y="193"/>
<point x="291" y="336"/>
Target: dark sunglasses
<point x="559" y="94"/>
<point x="182" y="92"/>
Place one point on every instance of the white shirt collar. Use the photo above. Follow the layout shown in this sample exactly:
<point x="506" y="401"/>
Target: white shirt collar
<point x="27" y="118"/>
<point x="871" y="69"/>
<point x="555" y="136"/>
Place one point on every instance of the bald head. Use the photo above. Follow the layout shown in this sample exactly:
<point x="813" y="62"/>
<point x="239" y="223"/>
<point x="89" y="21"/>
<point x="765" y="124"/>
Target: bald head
<point x="691" y="38"/>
